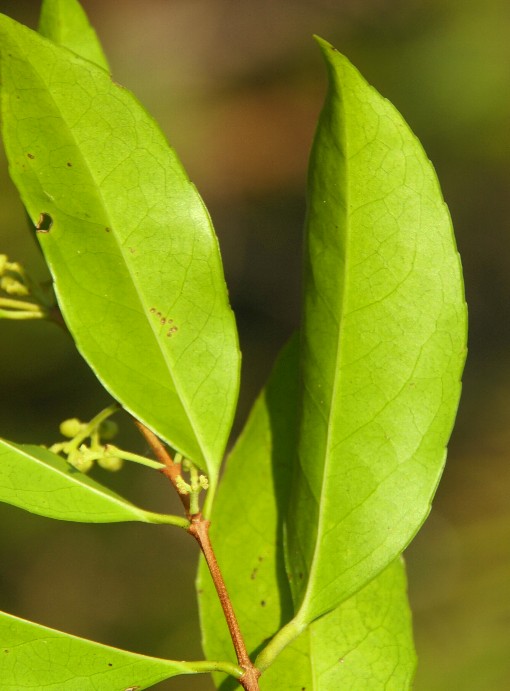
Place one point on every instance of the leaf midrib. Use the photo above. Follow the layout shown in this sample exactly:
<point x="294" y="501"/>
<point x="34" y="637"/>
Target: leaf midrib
<point x="338" y="356"/>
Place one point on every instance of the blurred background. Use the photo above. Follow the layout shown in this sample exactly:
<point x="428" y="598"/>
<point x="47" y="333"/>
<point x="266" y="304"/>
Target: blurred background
<point x="237" y="86"/>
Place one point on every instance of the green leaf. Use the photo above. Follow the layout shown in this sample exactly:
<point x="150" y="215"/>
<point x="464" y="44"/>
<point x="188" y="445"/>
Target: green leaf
<point x="371" y="632"/>
<point x="37" y="480"/>
<point x="64" y="22"/>
<point x="131" y="247"/>
<point x="35" y="657"/>
<point x="383" y="347"/>
<point x="366" y="643"/>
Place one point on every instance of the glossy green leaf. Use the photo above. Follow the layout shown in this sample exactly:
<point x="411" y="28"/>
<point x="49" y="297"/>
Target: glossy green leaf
<point x="383" y="347"/>
<point x="131" y="247"/>
<point x="35" y="657"/>
<point x="64" y="22"/>
<point x="370" y="633"/>
<point x="37" y="480"/>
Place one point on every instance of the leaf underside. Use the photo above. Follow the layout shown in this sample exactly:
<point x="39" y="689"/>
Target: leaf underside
<point x="131" y="247"/>
<point x="34" y="657"/>
<point x="382" y="349"/>
<point x="37" y="480"/>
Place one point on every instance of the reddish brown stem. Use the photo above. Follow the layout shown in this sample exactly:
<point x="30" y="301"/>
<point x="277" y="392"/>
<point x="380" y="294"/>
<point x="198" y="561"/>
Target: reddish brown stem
<point x="199" y="528"/>
<point x="171" y="469"/>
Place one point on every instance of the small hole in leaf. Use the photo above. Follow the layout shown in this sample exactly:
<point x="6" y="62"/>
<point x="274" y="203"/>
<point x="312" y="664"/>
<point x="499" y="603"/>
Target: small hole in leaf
<point x="44" y="223"/>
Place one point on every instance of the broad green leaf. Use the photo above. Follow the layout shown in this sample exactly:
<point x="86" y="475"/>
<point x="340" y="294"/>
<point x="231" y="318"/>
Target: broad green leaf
<point x="383" y="346"/>
<point x="370" y="633"/>
<point x="131" y="247"/>
<point x="35" y="657"/>
<point x="64" y="22"/>
<point x="37" y="480"/>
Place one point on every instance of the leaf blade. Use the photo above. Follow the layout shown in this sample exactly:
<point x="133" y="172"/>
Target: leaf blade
<point x="366" y="642"/>
<point x="383" y="345"/>
<point x="131" y="241"/>
<point x="37" y="480"/>
<point x="64" y="22"/>
<point x="35" y="657"/>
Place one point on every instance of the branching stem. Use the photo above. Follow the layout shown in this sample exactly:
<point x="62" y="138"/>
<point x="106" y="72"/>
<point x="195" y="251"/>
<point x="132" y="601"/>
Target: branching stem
<point x="171" y="470"/>
<point x="199" y="528"/>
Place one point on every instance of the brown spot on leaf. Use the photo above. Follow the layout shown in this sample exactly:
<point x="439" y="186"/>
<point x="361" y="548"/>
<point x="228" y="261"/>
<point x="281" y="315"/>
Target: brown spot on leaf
<point x="31" y="156"/>
<point x="44" y="223"/>
<point x="69" y="164"/>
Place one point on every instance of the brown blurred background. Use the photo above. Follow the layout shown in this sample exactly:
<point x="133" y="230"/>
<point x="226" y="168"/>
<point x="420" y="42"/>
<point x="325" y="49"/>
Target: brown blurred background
<point x="237" y="86"/>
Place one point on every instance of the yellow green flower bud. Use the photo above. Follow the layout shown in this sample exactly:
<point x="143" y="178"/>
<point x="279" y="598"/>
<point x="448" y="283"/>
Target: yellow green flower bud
<point x="111" y="463"/>
<point x="108" y="429"/>
<point x="71" y="427"/>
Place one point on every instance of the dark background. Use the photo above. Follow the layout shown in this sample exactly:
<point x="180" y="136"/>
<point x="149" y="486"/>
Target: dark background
<point x="237" y="86"/>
